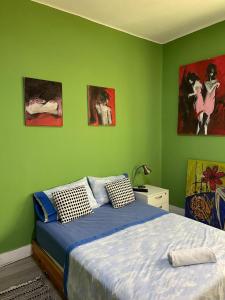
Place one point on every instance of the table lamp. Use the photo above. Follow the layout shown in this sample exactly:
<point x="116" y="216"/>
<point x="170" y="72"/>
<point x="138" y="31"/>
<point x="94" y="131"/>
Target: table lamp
<point x="147" y="170"/>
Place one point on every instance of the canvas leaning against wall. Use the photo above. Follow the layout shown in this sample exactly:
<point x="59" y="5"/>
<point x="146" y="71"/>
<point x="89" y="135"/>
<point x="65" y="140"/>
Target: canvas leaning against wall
<point x="101" y="106"/>
<point x="43" y="102"/>
<point x="205" y="192"/>
<point x="202" y="97"/>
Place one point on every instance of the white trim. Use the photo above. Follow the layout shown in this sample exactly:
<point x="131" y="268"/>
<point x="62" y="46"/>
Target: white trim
<point x="92" y="20"/>
<point x="15" y="255"/>
<point x="177" y="210"/>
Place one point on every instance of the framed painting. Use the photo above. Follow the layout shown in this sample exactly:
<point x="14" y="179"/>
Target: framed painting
<point x="205" y="192"/>
<point x="201" y="109"/>
<point x="101" y="106"/>
<point x="43" y="102"/>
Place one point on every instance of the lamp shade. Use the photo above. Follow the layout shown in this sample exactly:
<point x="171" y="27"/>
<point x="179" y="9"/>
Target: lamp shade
<point x="146" y="169"/>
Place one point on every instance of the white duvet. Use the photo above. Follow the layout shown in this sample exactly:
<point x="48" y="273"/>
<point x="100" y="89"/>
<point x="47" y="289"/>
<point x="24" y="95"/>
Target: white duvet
<point x="132" y="264"/>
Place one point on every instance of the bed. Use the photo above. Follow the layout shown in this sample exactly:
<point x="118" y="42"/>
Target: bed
<point x="122" y="254"/>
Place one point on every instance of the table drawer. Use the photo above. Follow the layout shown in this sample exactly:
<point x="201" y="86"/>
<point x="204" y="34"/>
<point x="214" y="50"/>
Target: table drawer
<point x="158" y="200"/>
<point x="165" y="206"/>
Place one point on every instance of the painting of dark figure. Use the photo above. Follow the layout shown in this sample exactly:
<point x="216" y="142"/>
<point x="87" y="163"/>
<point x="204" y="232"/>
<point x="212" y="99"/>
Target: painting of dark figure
<point x="202" y="98"/>
<point x="43" y="102"/>
<point x="101" y="106"/>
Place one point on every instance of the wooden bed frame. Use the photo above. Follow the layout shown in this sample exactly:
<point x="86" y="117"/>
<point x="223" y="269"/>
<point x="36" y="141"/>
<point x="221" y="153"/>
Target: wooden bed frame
<point x="49" y="267"/>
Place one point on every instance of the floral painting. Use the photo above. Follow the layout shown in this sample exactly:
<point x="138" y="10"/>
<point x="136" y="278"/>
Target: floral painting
<point x="202" y="97"/>
<point x="43" y="102"/>
<point x="101" y="106"/>
<point x="205" y="192"/>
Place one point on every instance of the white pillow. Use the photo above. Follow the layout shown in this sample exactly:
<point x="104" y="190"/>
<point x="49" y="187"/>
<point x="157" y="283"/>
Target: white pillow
<point x="98" y="187"/>
<point x="81" y="182"/>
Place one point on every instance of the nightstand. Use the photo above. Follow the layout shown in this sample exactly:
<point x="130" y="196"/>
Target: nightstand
<point x="155" y="196"/>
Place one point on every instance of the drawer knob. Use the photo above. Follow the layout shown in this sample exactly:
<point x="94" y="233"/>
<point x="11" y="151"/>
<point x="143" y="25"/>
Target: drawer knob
<point x="158" y="197"/>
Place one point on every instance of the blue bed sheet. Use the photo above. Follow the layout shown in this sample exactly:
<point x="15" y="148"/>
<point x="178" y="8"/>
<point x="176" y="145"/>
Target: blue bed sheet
<point x="58" y="239"/>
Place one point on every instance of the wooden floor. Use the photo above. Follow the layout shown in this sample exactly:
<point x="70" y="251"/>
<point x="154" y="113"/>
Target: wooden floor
<point x="19" y="272"/>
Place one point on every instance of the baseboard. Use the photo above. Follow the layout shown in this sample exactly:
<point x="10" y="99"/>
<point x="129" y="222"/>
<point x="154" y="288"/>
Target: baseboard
<point x="177" y="210"/>
<point x="12" y="256"/>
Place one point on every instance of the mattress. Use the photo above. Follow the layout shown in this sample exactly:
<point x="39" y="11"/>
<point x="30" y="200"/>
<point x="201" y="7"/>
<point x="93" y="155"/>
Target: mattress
<point x="57" y="239"/>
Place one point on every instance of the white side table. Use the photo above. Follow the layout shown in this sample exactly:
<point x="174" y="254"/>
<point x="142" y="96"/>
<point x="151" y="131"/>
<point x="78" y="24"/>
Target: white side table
<point x="155" y="196"/>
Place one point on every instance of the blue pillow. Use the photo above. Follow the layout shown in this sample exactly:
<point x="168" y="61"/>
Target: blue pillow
<point x="97" y="185"/>
<point x="45" y="210"/>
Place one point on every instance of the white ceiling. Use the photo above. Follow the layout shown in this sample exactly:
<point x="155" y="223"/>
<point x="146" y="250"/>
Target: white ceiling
<point x="156" y="20"/>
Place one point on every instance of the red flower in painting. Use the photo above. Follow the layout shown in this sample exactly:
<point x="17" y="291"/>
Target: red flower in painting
<point x="212" y="176"/>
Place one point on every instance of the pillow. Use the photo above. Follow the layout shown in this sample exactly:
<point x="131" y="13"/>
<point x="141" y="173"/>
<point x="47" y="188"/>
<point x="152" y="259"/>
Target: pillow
<point x="98" y="187"/>
<point x="120" y="192"/>
<point x="81" y="182"/>
<point x="72" y="204"/>
<point x="45" y="210"/>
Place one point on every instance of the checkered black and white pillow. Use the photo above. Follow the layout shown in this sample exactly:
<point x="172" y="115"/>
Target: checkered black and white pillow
<point x="72" y="204"/>
<point x="120" y="192"/>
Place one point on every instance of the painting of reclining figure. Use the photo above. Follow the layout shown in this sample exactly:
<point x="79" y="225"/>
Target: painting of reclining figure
<point x="202" y="98"/>
<point x="43" y="102"/>
<point x="101" y="106"/>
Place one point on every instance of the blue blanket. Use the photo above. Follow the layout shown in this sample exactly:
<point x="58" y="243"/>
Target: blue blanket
<point x="57" y="239"/>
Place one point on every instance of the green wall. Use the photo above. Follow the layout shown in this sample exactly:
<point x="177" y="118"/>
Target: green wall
<point x="40" y="42"/>
<point x="176" y="150"/>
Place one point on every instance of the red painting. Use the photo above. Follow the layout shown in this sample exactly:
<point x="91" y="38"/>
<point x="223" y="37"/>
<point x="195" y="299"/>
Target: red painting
<point x="43" y="102"/>
<point x="101" y="106"/>
<point x="202" y="97"/>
